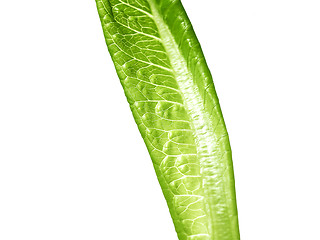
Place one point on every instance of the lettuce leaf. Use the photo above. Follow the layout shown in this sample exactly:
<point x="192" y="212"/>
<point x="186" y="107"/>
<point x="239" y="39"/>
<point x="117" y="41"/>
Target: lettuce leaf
<point x="170" y="90"/>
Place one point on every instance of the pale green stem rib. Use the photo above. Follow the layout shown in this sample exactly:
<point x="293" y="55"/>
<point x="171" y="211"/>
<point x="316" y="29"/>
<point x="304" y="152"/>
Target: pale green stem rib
<point x="203" y="131"/>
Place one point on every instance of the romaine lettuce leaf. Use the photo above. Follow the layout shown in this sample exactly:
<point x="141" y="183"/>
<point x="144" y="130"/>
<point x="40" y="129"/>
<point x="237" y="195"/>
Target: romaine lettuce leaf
<point x="171" y="94"/>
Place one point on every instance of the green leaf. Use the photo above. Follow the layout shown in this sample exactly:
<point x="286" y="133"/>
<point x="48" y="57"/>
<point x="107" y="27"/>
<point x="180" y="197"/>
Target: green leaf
<point x="171" y="94"/>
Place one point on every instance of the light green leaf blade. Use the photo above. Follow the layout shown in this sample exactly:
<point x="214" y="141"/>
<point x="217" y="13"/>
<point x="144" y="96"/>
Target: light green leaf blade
<point x="172" y="97"/>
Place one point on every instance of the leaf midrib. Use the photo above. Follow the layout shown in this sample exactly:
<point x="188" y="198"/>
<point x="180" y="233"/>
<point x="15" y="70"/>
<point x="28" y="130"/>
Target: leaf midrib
<point x="192" y="99"/>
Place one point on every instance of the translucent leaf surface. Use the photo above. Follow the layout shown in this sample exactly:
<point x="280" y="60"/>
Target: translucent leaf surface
<point x="172" y="97"/>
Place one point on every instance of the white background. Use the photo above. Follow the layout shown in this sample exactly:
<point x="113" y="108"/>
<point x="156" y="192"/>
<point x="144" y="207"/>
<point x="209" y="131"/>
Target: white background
<point x="72" y="162"/>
